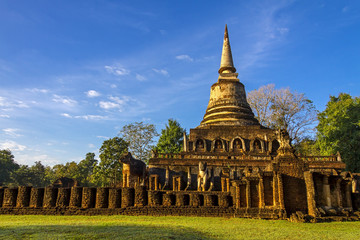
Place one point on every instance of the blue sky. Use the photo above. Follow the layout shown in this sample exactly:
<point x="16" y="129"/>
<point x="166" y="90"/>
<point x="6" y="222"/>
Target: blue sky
<point x="72" y="73"/>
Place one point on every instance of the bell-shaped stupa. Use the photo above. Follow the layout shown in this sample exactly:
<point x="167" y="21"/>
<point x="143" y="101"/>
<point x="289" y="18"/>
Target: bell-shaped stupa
<point x="227" y="104"/>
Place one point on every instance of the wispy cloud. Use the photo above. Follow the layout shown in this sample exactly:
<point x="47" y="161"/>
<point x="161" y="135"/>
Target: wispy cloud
<point x="117" y="70"/>
<point x="140" y="77"/>
<point x="12" y="132"/>
<point x="86" y="117"/>
<point x="28" y="159"/>
<point x="12" y="145"/>
<point x="92" y="94"/>
<point x="114" y="103"/>
<point x="38" y="90"/>
<point x="64" y="100"/>
<point x="4" y="116"/>
<point x="102" y="137"/>
<point x="161" y="71"/>
<point x="345" y="9"/>
<point x="185" y="57"/>
<point x="267" y="32"/>
<point x="9" y="104"/>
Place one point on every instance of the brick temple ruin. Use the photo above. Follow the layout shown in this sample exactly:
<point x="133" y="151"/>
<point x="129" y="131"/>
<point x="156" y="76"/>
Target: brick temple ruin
<point x="230" y="166"/>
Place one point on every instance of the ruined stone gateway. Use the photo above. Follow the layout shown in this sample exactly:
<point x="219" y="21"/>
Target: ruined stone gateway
<point x="230" y="166"/>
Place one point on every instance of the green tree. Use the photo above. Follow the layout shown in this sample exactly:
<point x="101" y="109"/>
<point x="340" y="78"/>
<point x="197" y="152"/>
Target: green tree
<point x="86" y="169"/>
<point x="140" y="137"/>
<point x="339" y="129"/>
<point x="307" y="147"/>
<point x="171" y="138"/>
<point x="108" y="171"/>
<point x="7" y="166"/>
<point x="39" y="176"/>
<point x="283" y="109"/>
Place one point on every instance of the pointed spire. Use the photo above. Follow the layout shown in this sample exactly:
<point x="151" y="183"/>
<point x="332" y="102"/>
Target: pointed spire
<point x="226" y="65"/>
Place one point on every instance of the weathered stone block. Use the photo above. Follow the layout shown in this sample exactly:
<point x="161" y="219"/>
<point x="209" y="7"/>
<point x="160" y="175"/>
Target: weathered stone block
<point x="114" y="197"/>
<point x="127" y="197"/>
<point x="195" y="199"/>
<point x="168" y="199"/>
<point x="63" y="197"/>
<point x="36" y="197"/>
<point x="155" y="198"/>
<point x="102" y="197"/>
<point x="10" y="195"/>
<point x="140" y="196"/>
<point x="88" y="197"/>
<point x="75" y="197"/>
<point x="23" y="197"/>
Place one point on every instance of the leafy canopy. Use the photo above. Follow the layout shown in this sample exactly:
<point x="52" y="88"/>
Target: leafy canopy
<point x="171" y="138"/>
<point x="339" y="129"/>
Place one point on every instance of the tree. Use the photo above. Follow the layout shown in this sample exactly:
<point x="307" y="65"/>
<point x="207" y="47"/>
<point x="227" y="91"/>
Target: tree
<point x="31" y="176"/>
<point x="108" y="171"/>
<point x="339" y="129"/>
<point x="171" y="138"/>
<point x="86" y="169"/>
<point x="140" y="137"/>
<point x="283" y="109"/>
<point x="307" y="147"/>
<point x="7" y="166"/>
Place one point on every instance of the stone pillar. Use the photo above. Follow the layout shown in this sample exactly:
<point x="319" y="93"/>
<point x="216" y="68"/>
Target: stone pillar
<point x="127" y="197"/>
<point x="154" y="198"/>
<point x="114" y="198"/>
<point x="237" y="197"/>
<point x="280" y="191"/>
<point x="275" y="191"/>
<point x="248" y="194"/>
<point x="1" y="196"/>
<point x="50" y="196"/>
<point x="36" y="197"/>
<point x="348" y="194"/>
<point x="75" y="197"/>
<point x="140" y="196"/>
<point x="261" y="193"/>
<point x="224" y="200"/>
<point x="102" y="197"/>
<point x="10" y="196"/>
<point x="180" y="200"/>
<point x="209" y="200"/>
<point x="326" y="191"/>
<point x="63" y="197"/>
<point x="23" y="197"/>
<point x="310" y="193"/>
<point x="88" y="197"/>
<point x="168" y="199"/>
<point x="195" y="199"/>
<point x="338" y="192"/>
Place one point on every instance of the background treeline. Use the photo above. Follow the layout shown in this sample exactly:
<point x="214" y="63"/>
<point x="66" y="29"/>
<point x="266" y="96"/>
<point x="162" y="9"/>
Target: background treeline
<point x="336" y="129"/>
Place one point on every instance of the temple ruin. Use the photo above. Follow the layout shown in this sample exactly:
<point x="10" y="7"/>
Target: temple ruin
<point x="230" y="166"/>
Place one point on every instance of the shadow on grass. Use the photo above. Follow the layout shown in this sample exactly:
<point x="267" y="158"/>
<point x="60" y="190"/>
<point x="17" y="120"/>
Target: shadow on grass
<point x="99" y="232"/>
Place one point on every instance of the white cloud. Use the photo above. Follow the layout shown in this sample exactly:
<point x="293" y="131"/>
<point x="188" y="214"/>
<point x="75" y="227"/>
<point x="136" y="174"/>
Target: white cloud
<point x="65" y="100"/>
<point x="27" y="159"/>
<point x="38" y="90"/>
<point x="117" y="70"/>
<point x="12" y="132"/>
<point x="108" y="105"/>
<point x="116" y="102"/>
<point x="184" y="57"/>
<point x="161" y="71"/>
<point x="92" y="93"/>
<point x="90" y="145"/>
<point x="102" y="137"/>
<point x="5" y="103"/>
<point x="13" y="146"/>
<point x="86" y="117"/>
<point x="113" y="86"/>
<point x="66" y="115"/>
<point x="345" y="9"/>
<point x="4" y="116"/>
<point x="140" y="77"/>
<point x="283" y="30"/>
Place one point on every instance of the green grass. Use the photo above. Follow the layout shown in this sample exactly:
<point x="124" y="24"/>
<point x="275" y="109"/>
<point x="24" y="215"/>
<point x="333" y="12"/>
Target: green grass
<point x="144" y="227"/>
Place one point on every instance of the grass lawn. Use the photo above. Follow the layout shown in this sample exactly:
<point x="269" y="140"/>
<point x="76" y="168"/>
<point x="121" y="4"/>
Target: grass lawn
<point x="145" y="227"/>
